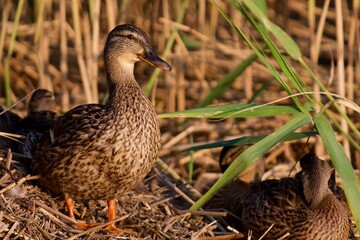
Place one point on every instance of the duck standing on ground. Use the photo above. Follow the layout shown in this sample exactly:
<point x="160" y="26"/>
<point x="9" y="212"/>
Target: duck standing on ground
<point x="100" y="151"/>
<point x="41" y="114"/>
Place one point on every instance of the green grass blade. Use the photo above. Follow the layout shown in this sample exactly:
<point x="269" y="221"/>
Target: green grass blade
<point x="251" y="154"/>
<point x="233" y="110"/>
<point x="261" y="4"/>
<point x="323" y="88"/>
<point x="283" y="38"/>
<point x="9" y="53"/>
<point x="284" y="65"/>
<point x="342" y="165"/>
<point x="226" y="81"/>
<point x="260" y="54"/>
<point x="248" y="140"/>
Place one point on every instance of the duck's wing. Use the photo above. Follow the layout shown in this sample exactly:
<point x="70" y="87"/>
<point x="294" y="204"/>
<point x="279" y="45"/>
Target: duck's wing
<point x="272" y="202"/>
<point x="76" y="124"/>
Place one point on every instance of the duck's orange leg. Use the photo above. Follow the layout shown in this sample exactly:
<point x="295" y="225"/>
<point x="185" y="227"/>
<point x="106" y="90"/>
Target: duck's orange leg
<point x="111" y="216"/>
<point x="70" y="207"/>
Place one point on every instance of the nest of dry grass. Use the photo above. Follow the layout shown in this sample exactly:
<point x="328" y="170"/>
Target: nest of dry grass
<point x="155" y="209"/>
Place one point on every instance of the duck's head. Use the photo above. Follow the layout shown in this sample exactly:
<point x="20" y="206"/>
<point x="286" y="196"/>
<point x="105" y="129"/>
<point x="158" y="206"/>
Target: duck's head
<point x="252" y="174"/>
<point x="315" y="176"/>
<point x="41" y="100"/>
<point x="129" y="44"/>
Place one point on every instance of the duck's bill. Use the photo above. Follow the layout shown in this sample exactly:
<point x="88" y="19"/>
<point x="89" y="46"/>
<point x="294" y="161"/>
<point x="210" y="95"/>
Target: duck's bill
<point x="154" y="60"/>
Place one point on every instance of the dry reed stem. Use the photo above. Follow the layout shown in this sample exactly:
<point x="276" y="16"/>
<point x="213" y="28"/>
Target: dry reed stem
<point x="177" y="190"/>
<point x="314" y="53"/>
<point x="284" y="236"/>
<point x="18" y="183"/>
<point x="179" y="137"/>
<point x="341" y="68"/>
<point x="171" y="172"/>
<point x="267" y="231"/>
<point x="185" y="28"/>
<point x="110" y="12"/>
<point x="320" y="31"/>
<point x="206" y="228"/>
<point x="11" y="231"/>
<point x="180" y="81"/>
<point x="224" y="237"/>
<point x="182" y="194"/>
<point x="8" y="175"/>
<point x="162" y="201"/>
<point x="64" y="68"/>
<point x="56" y="213"/>
<point x="53" y="218"/>
<point x="4" y="24"/>
<point x="8" y="159"/>
<point x="79" y="51"/>
<point x="198" y="155"/>
<point x="94" y="67"/>
<point x="172" y="220"/>
<point x="204" y="213"/>
<point x="350" y="93"/>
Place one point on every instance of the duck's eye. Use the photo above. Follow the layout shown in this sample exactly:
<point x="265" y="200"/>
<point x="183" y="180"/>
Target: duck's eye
<point x="130" y="36"/>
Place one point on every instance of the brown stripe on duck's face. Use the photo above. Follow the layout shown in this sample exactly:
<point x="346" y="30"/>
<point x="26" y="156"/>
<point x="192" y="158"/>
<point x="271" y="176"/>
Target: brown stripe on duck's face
<point x="132" y="45"/>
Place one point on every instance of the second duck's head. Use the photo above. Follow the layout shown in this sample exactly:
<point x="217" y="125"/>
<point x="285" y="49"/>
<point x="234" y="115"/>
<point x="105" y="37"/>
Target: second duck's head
<point x="127" y="44"/>
<point x="41" y="100"/>
<point x="315" y="175"/>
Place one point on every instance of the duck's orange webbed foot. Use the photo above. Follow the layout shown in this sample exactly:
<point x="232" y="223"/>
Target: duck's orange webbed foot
<point x="70" y="206"/>
<point x="83" y="225"/>
<point x="111" y="216"/>
<point x="113" y="229"/>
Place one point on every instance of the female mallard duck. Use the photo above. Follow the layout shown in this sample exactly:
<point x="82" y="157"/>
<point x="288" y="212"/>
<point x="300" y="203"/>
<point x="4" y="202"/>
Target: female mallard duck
<point x="100" y="151"/>
<point x="302" y="207"/>
<point x="40" y="117"/>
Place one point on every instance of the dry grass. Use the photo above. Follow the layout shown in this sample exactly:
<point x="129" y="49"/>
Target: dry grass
<point x="59" y="46"/>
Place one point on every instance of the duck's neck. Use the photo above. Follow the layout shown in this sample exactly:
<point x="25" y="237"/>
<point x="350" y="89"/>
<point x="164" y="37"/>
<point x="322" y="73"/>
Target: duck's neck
<point x="315" y="190"/>
<point x="118" y="71"/>
<point x="121" y="81"/>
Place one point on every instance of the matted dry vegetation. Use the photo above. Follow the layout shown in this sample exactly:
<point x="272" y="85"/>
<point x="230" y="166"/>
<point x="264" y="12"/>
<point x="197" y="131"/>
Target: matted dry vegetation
<point x="59" y="47"/>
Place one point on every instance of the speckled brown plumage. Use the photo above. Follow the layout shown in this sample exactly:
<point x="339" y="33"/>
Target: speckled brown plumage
<point x="40" y="117"/>
<point x="303" y="206"/>
<point x="100" y="151"/>
<point x="251" y="174"/>
<point x="230" y="198"/>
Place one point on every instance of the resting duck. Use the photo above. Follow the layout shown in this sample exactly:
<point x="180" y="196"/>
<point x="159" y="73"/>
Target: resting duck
<point x="303" y="207"/>
<point x="40" y="118"/>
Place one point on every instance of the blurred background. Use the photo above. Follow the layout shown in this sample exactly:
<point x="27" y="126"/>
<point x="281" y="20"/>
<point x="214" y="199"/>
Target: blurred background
<point x="58" y="45"/>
